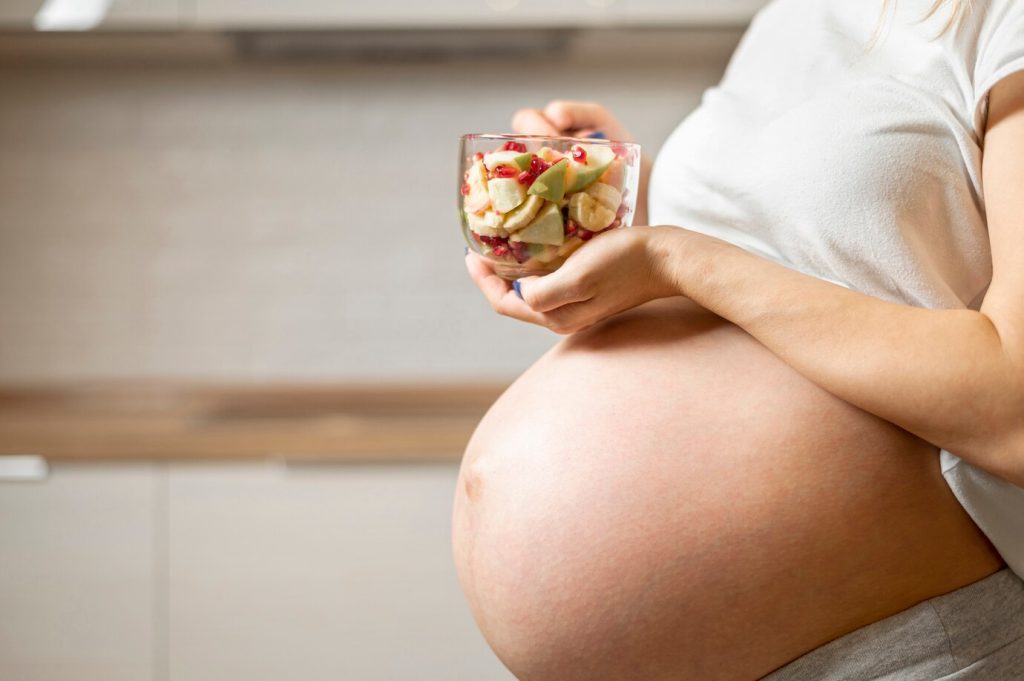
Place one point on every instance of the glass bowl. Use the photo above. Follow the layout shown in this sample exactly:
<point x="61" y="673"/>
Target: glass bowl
<point x="527" y="202"/>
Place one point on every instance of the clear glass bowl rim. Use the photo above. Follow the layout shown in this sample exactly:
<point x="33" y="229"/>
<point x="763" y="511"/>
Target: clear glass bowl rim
<point x="511" y="137"/>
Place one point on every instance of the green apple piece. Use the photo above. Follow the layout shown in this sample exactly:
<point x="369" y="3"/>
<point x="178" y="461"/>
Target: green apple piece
<point x="549" y="155"/>
<point x="477" y="200"/>
<point x="522" y="161"/>
<point x="550" y="184"/>
<point x="588" y="213"/>
<point x="488" y="224"/>
<point x="524" y="214"/>
<point x="599" y="157"/>
<point x="607" y="195"/>
<point x="546" y="228"/>
<point x="506" y="193"/>
<point x="542" y="253"/>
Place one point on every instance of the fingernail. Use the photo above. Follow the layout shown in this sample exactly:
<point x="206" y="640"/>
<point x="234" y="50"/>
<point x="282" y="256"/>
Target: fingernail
<point x="597" y="135"/>
<point x="517" y="289"/>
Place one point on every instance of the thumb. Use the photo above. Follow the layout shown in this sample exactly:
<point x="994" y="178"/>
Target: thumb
<point x="547" y="293"/>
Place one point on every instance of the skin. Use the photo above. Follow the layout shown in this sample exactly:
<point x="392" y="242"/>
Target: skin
<point x="726" y="463"/>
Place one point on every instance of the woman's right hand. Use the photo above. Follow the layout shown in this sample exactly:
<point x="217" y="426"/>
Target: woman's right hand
<point x="581" y="119"/>
<point x="572" y="119"/>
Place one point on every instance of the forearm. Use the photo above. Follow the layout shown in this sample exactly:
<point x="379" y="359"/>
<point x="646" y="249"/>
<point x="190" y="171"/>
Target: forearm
<point x="944" y="375"/>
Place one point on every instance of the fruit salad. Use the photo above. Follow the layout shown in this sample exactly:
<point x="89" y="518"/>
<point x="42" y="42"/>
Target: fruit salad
<point x="527" y="211"/>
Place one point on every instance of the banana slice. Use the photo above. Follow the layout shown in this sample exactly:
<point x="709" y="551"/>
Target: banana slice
<point x="607" y="195"/>
<point x="588" y="213"/>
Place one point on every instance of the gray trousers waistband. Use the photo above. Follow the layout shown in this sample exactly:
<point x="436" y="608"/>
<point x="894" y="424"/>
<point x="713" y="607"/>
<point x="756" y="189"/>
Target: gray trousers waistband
<point x="976" y="632"/>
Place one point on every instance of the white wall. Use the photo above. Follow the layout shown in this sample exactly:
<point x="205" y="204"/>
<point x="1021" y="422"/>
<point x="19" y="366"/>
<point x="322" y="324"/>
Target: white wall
<point x="268" y="219"/>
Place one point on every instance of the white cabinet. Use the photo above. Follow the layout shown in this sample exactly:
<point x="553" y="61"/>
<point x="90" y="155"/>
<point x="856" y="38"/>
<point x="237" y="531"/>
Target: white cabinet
<point x="145" y="13"/>
<point x="690" y="12"/>
<point x="77" y="575"/>
<point x="349" y="14"/>
<point x="404" y="13"/>
<point x="317" y="573"/>
<point x="117" y="14"/>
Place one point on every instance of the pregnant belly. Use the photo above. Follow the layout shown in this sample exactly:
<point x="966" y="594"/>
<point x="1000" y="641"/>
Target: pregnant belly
<point x="662" y="498"/>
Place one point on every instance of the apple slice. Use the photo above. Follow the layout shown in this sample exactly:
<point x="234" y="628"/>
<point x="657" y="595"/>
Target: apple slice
<point x="505" y="193"/>
<point x="478" y="199"/>
<point x="488" y="224"/>
<point x="524" y="214"/>
<point x="598" y="158"/>
<point x="588" y="212"/>
<point x="615" y="175"/>
<point x="550" y="184"/>
<point x="516" y="159"/>
<point x="549" y="155"/>
<point x="546" y="228"/>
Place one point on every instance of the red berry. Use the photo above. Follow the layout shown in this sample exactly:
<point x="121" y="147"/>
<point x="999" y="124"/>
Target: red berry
<point x="579" y="154"/>
<point x="514" y="146"/>
<point x="465" y="189"/>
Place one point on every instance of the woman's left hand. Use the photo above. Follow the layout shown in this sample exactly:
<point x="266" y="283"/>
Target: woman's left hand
<point x="612" y="273"/>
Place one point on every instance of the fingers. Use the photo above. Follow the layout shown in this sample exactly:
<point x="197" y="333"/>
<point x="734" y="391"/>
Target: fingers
<point x="533" y="122"/>
<point x="499" y="293"/>
<point x="553" y="291"/>
<point x="569" y="115"/>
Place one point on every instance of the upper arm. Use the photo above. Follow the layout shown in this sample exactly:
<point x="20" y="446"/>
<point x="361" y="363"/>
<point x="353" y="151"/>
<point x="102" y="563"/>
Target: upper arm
<point x="1003" y="179"/>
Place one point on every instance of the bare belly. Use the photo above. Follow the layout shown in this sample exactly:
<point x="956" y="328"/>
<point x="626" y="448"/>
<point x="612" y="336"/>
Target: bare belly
<point x="662" y="498"/>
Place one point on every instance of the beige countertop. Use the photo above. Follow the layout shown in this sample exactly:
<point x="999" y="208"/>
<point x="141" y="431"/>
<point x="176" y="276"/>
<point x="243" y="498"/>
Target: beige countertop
<point x="176" y="421"/>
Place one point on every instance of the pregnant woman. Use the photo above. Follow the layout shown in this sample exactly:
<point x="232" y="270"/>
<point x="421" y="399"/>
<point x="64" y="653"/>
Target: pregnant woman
<point x="784" y="435"/>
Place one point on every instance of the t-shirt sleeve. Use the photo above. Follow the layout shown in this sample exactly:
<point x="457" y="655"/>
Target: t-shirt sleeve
<point x="1000" y="52"/>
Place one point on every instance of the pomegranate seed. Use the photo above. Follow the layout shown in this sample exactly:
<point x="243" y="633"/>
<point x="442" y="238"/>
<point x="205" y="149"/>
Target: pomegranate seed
<point x="478" y="156"/>
<point x="499" y="251"/>
<point x="526" y="177"/>
<point x="619" y="150"/>
<point x="519" y="251"/>
<point x="579" y="154"/>
<point x="571" y="228"/>
<point x="586" y="234"/>
<point x="538" y="165"/>
<point x="514" y="146"/>
<point x="465" y="189"/>
<point x="504" y="171"/>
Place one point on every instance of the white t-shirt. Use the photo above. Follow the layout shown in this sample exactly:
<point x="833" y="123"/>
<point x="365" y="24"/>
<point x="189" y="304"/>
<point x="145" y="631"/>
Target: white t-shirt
<point x="860" y="165"/>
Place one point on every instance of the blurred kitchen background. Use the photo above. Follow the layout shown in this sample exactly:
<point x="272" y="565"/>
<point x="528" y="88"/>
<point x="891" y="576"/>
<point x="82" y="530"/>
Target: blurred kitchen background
<point x="239" y="353"/>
